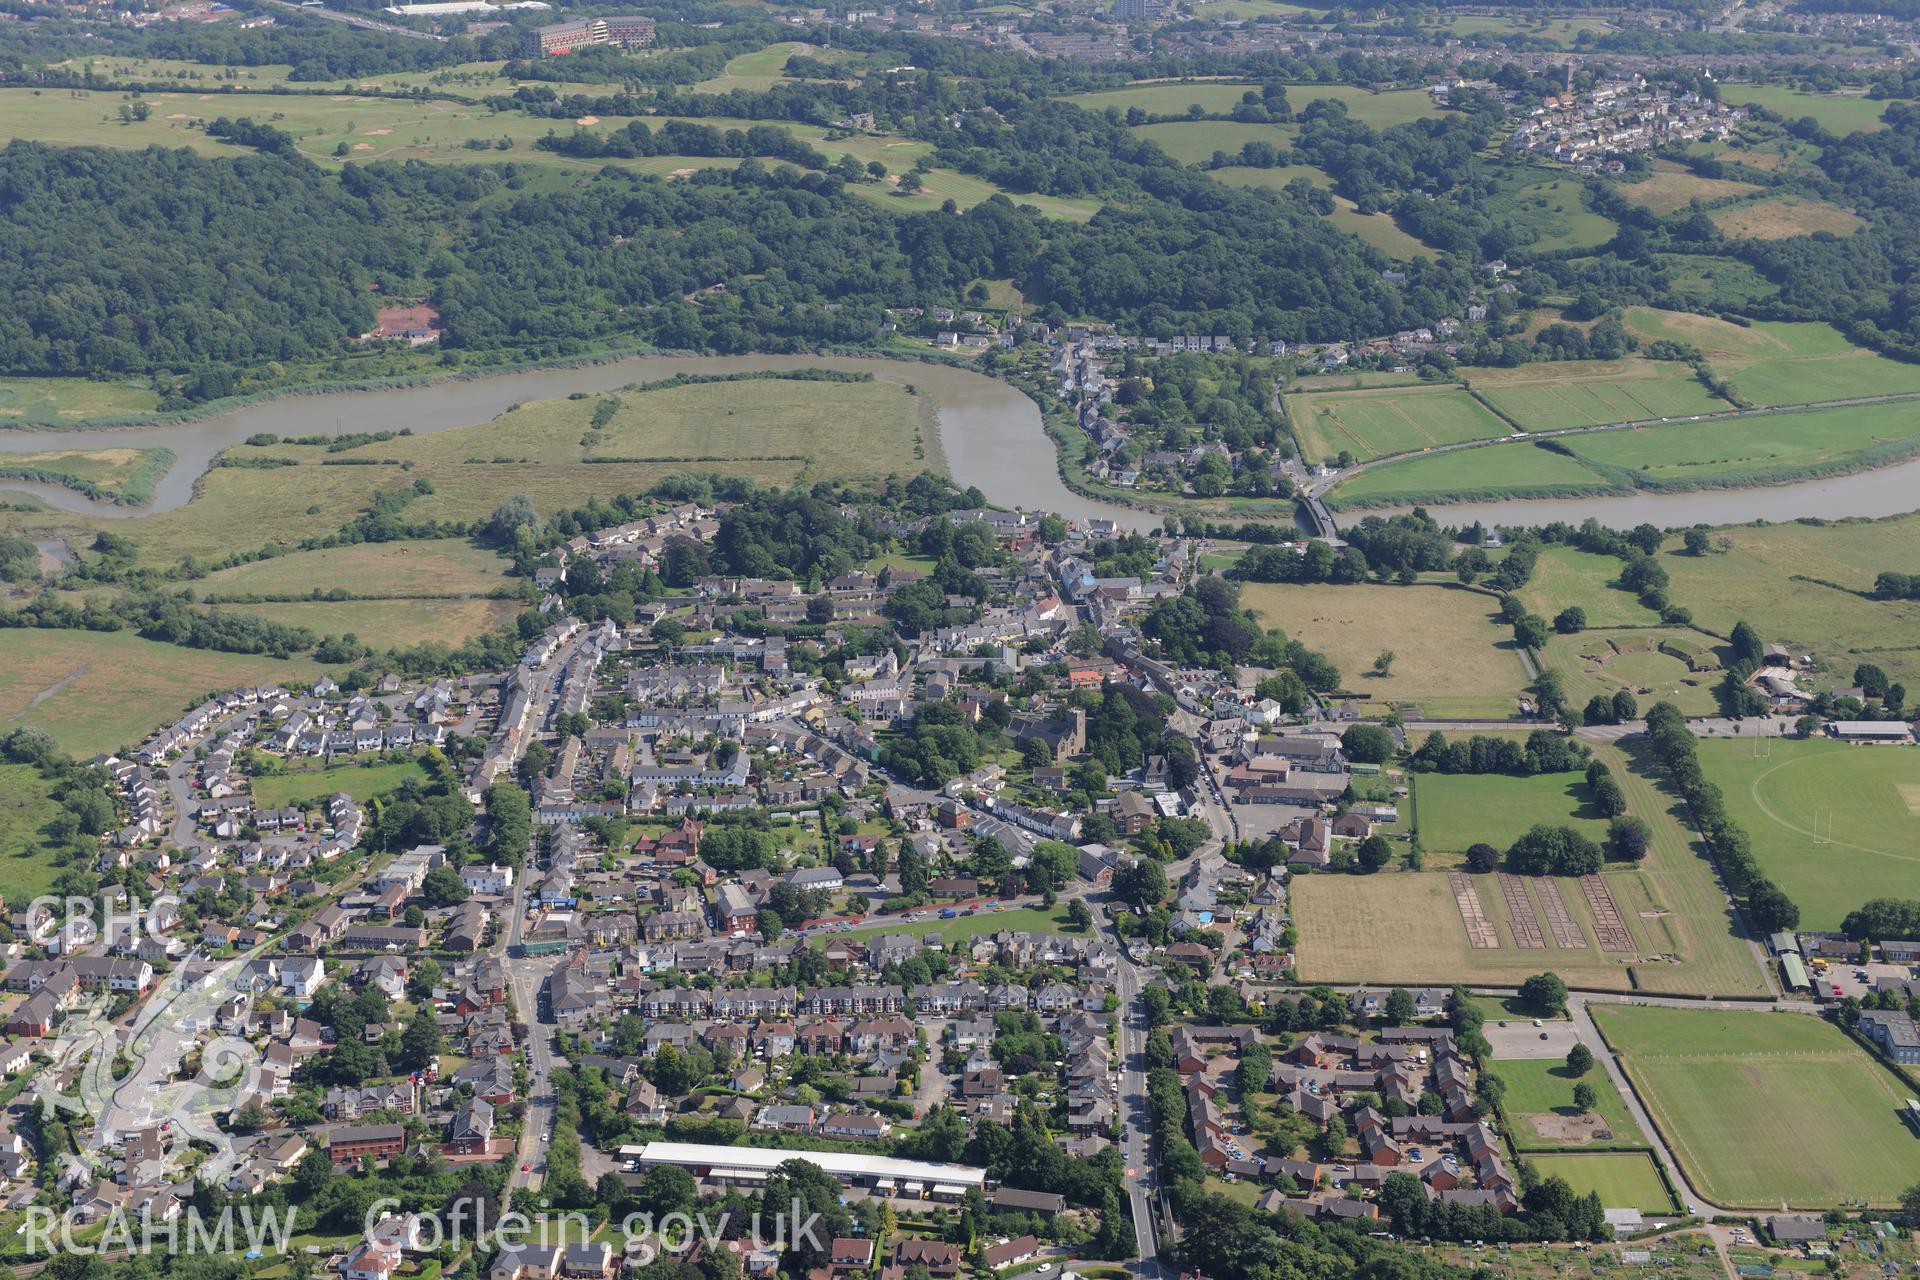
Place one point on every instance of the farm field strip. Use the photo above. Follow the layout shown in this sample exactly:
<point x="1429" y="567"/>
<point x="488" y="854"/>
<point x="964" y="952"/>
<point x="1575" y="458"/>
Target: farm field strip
<point x="1565" y="929"/>
<point x="1520" y="916"/>
<point x="1608" y="926"/>
<point x="1480" y="930"/>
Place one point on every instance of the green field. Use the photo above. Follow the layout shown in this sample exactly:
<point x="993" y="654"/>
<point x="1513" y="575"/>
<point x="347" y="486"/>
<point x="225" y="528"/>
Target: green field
<point x="1555" y="395"/>
<point x="57" y="400"/>
<point x="1863" y="802"/>
<point x="101" y="691"/>
<point x="1452" y="659"/>
<point x="1376" y="229"/>
<point x="1543" y="1088"/>
<point x="1457" y="810"/>
<point x="1766" y="1108"/>
<point x="1717" y="338"/>
<point x="1195" y="141"/>
<point x="1775" y="575"/>
<point x="1374" y="424"/>
<point x="1838" y="113"/>
<point x="1552" y="210"/>
<point x="961" y="928"/>
<point x="937" y="186"/>
<point x="1274" y="179"/>
<point x="1500" y="470"/>
<point x="26" y="806"/>
<point x="362" y="782"/>
<point x="1717" y="282"/>
<point x="1623" y="1179"/>
<point x="1672" y="187"/>
<point x="1565" y="576"/>
<point x="1811" y="380"/>
<point x="1167" y="98"/>
<point x="1654" y="664"/>
<point x="1781" y="217"/>
<point x="757" y="71"/>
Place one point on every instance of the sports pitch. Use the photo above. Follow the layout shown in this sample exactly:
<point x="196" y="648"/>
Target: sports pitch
<point x="1767" y="1108"/>
<point x="1832" y="824"/>
<point x="1374" y="424"/>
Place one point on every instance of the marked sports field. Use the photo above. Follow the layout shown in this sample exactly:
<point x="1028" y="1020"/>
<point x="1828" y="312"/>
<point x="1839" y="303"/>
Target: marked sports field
<point x="1374" y="424"/>
<point x="1832" y="824"/>
<point x="1767" y="1108"/>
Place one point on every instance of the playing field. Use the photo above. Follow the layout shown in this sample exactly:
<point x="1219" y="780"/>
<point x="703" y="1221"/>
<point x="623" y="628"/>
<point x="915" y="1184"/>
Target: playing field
<point x="1554" y="395"/>
<point x="1541" y="1114"/>
<point x="362" y="782"/>
<point x="1623" y="1179"/>
<point x="1838" y="113"/>
<point x="1766" y="1108"/>
<point x="1406" y="927"/>
<point x="1374" y="424"/>
<point x="1832" y="824"/>
<point x="101" y="691"/>
<point x="1674" y="187"/>
<point x="1564" y="576"/>
<point x="1677" y="665"/>
<point x="1458" y="810"/>
<point x="1504" y="470"/>
<point x="1773" y="574"/>
<point x="1452" y="660"/>
<point x="1782" y="217"/>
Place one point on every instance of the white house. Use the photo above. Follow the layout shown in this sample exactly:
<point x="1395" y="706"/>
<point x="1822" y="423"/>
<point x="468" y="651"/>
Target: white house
<point x="492" y="880"/>
<point x="301" y="976"/>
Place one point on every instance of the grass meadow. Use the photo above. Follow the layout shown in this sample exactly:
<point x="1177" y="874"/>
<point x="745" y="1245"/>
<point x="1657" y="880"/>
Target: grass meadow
<point x="440" y="567"/>
<point x="1833" y="824"/>
<point x="361" y="781"/>
<point x="1515" y="469"/>
<point x="1763" y="1109"/>
<point x="101" y="691"/>
<point x="1673" y="187"/>
<point x="1458" y="810"/>
<point x="1564" y="576"/>
<point x="25" y="807"/>
<point x="1174" y="97"/>
<point x="1783" y="217"/>
<point x="1777" y="576"/>
<point x="1452" y="659"/>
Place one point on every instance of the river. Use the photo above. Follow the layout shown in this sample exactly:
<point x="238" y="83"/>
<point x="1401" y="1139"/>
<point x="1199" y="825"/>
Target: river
<point x="990" y="432"/>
